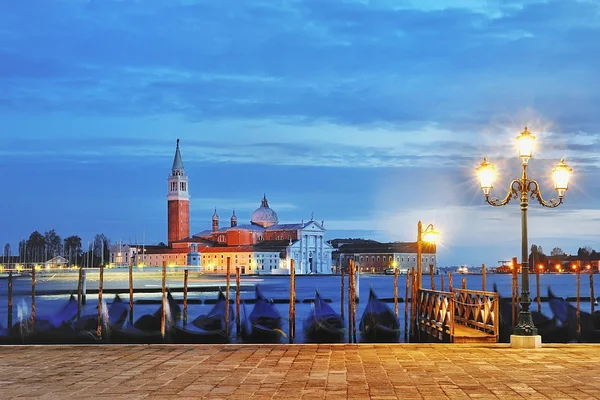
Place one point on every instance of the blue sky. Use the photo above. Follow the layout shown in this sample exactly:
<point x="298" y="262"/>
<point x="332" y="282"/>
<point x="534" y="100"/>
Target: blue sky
<point x="370" y="114"/>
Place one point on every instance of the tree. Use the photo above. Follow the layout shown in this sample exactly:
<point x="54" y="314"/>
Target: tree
<point x="584" y="253"/>
<point x="36" y="246"/>
<point x="101" y="247"/>
<point x="7" y="250"/>
<point x="53" y="243"/>
<point x="72" y="247"/>
<point x="537" y="256"/>
<point x="557" y="251"/>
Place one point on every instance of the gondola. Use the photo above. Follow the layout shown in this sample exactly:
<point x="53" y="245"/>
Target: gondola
<point x="86" y="327"/>
<point x="550" y="329"/>
<point x="147" y="329"/>
<point x="50" y="329"/>
<point x="323" y="325"/>
<point x="207" y="328"/>
<point x="567" y="315"/>
<point x="378" y="323"/>
<point x="263" y="325"/>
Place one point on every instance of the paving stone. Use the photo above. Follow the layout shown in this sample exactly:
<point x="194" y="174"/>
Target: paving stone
<point x="246" y="372"/>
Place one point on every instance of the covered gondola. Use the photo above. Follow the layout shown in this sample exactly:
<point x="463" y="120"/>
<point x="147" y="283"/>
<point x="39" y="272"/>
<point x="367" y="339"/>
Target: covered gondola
<point x="49" y="329"/>
<point x="208" y="328"/>
<point x="567" y="315"/>
<point x="550" y="329"/>
<point x="263" y="325"/>
<point x="323" y="325"/>
<point x="378" y="323"/>
<point x="86" y="327"/>
<point x="147" y="329"/>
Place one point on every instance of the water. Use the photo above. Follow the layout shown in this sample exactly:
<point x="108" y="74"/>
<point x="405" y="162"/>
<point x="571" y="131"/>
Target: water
<point x="276" y="287"/>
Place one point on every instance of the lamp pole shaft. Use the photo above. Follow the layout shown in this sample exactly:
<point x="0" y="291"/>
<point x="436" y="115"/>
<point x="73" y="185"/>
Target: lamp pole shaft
<point x="525" y="326"/>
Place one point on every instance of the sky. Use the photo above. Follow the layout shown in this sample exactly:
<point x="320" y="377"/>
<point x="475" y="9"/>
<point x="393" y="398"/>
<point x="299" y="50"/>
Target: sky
<point x="371" y="114"/>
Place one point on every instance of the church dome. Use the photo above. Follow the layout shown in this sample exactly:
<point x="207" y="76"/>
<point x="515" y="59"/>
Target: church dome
<point x="263" y="215"/>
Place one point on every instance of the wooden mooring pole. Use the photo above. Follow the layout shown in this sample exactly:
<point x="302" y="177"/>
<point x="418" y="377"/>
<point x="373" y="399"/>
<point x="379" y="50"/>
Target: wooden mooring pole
<point x="515" y="291"/>
<point x="227" y="283"/>
<point x="10" y="300"/>
<point x="354" y="297"/>
<point x="350" y="297"/>
<point x="238" y="301"/>
<point x="592" y="295"/>
<point x="292" y="327"/>
<point x="537" y="288"/>
<point x="33" y="295"/>
<point x="79" y="288"/>
<point x="406" y="307"/>
<point x="413" y="304"/>
<point x="578" y="309"/>
<point x="396" y="291"/>
<point x="483" y="277"/>
<point x="442" y="282"/>
<point x="163" y="314"/>
<point x="100" y="287"/>
<point x="464" y="283"/>
<point x="450" y="286"/>
<point x="342" y="295"/>
<point x="185" y="292"/>
<point x="431" y="276"/>
<point x="131" y="293"/>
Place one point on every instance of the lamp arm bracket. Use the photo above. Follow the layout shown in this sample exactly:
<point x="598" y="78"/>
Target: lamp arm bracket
<point x="535" y="194"/>
<point x="514" y="189"/>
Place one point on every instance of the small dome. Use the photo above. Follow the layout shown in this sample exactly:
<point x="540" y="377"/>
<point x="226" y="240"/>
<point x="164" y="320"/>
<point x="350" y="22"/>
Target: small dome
<point x="264" y="216"/>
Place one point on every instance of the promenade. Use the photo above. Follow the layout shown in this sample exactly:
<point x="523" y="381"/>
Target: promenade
<point x="299" y="372"/>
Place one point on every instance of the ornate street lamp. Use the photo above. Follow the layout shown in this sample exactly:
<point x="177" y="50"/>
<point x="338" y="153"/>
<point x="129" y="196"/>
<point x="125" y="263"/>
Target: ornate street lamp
<point x="429" y="235"/>
<point x="524" y="188"/>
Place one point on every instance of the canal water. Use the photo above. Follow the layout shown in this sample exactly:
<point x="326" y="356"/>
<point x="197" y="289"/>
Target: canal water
<point x="275" y="287"/>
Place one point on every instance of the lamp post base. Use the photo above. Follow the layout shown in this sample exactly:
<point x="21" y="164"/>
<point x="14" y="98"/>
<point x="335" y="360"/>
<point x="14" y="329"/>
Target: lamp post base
<point x="525" y="342"/>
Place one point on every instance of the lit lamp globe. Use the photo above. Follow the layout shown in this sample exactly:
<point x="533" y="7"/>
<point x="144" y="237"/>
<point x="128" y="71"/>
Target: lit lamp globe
<point x="525" y="145"/>
<point x="560" y="176"/>
<point x="431" y="236"/>
<point x="487" y="174"/>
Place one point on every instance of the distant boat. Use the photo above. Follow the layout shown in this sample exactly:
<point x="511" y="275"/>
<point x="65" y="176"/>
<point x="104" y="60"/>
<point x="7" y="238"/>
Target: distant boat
<point x="463" y="269"/>
<point x="390" y="271"/>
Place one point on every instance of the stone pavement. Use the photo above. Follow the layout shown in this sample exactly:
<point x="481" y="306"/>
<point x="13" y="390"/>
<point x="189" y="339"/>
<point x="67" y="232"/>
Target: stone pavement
<point x="299" y="372"/>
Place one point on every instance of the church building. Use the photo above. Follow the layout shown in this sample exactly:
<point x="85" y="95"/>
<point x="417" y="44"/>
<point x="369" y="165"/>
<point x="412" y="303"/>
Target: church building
<point x="263" y="246"/>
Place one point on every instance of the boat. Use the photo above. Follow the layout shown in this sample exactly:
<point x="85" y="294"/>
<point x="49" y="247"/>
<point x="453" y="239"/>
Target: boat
<point x="550" y="329"/>
<point x="50" y="329"/>
<point x="389" y="271"/>
<point x="323" y="325"/>
<point x="207" y="328"/>
<point x="86" y="327"/>
<point x="147" y="329"/>
<point x="567" y="315"/>
<point x="378" y="323"/>
<point x="263" y="325"/>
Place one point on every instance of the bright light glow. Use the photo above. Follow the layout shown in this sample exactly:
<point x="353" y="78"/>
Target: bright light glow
<point x="525" y="145"/>
<point x="487" y="175"/>
<point x="431" y="236"/>
<point x="561" y="175"/>
<point x="541" y="267"/>
<point x="557" y="266"/>
<point x="574" y="266"/>
<point x="588" y="266"/>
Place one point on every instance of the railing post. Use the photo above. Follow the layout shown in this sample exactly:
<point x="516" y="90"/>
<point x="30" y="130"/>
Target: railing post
<point x="483" y="277"/>
<point x="496" y="316"/>
<point x="452" y="312"/>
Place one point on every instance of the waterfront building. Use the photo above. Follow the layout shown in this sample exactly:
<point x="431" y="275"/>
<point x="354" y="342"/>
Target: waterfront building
<point x="264" y="246"/>
<point x="374" y="257"/>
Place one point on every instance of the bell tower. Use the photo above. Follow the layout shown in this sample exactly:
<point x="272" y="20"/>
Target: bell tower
<point x="178" y="201"/>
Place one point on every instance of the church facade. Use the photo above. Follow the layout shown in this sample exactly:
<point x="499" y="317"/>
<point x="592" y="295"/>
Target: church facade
<point x="263" y="246"/>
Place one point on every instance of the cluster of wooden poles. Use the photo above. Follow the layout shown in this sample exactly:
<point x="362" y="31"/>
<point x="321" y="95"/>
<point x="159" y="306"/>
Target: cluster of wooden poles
<point x="411" y="286"/>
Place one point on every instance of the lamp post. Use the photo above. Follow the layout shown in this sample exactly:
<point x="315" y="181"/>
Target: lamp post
<point x="524" y="188"/>
<point x="429" y="235"/>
